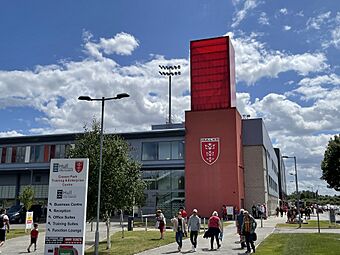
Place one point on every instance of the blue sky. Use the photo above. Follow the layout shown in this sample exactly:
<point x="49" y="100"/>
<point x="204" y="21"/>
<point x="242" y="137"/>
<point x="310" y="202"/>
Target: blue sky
<point x="287" y="66"/>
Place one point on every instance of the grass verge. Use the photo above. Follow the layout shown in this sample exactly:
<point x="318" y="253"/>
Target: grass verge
<point x="134" y="242"/>
<point x="300" y="244"/>
<point x="311" y="224"/>
<point x="13" y="233"/>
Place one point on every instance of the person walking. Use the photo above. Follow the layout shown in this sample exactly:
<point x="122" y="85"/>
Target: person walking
<point x="239" y="223"/>
<point x="160" y="222"/>
<point x="214" y="228"/>
<point x="34" y="237"/>
<point x="179" y="228"/>
<point x="4" y="227"/>
<point x="248" y="230"/>
<point x="194" y="226"/>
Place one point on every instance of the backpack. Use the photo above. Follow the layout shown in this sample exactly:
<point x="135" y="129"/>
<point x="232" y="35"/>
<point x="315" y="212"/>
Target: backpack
<point x="2" y="221"/>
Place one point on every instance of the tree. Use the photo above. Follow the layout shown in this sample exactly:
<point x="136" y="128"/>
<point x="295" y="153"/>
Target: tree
<point x="27" y="197"/>
<point x="331" y="164"/>
<point x="122" y="184"/>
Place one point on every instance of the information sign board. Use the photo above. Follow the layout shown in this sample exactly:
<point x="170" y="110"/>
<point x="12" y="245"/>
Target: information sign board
<point x="29" y="220"/>
<point x="66" y="209"/>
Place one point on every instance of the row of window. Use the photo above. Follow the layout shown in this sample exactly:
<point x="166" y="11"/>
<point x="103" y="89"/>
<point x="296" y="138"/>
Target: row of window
<point x="33" y="153"/>
<point x="163" y="150"/>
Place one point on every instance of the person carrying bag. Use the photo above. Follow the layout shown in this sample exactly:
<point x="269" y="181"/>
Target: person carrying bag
<point x="248" y="230"/>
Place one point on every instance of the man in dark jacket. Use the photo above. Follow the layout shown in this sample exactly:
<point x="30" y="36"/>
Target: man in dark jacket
<point x="239" y="223"/>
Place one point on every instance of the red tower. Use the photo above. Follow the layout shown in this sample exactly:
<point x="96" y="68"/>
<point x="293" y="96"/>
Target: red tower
<point x="213" y="153"/>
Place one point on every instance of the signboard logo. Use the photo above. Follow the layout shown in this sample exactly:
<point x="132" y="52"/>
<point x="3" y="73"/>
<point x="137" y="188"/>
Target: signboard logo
<point x="210" y="150"/>
<point x="79" y="166"/>
<point x="55" y="167"/>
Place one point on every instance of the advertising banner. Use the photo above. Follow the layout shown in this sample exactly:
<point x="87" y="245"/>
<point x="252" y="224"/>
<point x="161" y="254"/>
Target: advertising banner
<point x="29" y="220"/>
<point x="66" y="209"/>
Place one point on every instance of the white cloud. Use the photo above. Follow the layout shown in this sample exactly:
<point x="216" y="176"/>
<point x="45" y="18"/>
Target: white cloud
<point x="284" y="11"/>
<point x="121" y="44"/>
<point x="336" y="38"/>
<point x="318" y="87"/>
<point x="53" y="91"/>
<point x="300" y="14"/>
<point x="10" y="133"/>
<point x="263" y="19"/>
<point x="286" y="28"/>
<point x="317" y="22"/>
<point x="254" y="61"/>
<point x="241" y="14"/>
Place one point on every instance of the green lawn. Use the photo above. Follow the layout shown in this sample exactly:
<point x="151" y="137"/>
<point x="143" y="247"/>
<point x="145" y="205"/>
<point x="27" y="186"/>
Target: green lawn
<point x="300" y="244"/>
<point x="311" y="224"/>
<point x="16" y="233"/>
<point x="134" y="241"/>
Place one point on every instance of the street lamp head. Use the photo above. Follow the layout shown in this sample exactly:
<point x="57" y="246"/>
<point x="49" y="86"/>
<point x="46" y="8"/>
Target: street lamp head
<point x="85" y="98"/>
<point x="122" y="95"/>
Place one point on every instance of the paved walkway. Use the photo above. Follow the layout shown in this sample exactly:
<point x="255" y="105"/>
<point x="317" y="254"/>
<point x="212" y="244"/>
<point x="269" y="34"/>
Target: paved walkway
<point x="229" y="243"/>
<point x="19" y="245"/>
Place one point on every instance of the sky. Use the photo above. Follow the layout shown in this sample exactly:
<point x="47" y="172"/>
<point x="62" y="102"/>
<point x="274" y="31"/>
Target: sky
<point x="286" y="52"/>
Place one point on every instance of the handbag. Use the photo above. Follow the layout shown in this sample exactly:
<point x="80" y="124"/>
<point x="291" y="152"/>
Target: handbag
<point x="254" y="236"/>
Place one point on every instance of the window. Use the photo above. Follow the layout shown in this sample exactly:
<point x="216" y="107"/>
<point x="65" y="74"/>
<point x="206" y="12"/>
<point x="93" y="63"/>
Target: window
<point x="177" y="150"/>
<point x="37" y="153"/>
<point x="60" y="150"/>
<point x="9" y="155"/>
<point x="37" y="178"/>
<point x="163" y="150"/>
<point x="20" y="155"/>
<point x="149" y="151"/>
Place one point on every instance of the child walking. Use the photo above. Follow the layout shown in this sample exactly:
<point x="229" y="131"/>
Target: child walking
<point x="34" y="237"/>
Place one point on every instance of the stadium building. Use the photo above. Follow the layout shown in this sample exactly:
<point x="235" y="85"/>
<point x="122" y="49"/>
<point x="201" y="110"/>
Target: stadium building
<point x="214" y="158"/>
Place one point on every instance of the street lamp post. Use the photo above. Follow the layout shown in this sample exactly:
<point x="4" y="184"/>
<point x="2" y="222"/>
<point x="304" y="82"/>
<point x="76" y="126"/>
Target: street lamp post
<point x="170" y="71"/>
<point x="297" y="189"/>
<point x="103" y="99"/>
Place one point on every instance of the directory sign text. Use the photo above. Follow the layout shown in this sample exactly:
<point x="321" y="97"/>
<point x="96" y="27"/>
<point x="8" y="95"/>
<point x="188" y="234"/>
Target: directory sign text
<point x="66" y="210"/>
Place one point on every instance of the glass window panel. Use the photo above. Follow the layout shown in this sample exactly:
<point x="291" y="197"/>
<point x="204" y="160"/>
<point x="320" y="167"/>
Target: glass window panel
<point x="8" y="155"/>
<point x="164" y="151"/>
<point x="32" y="159"/>
<point x="20" y="155"/>
<point x="164" y="180"/>
<point x="39" y="153"/>
<point x="0" y="154"/>
<point x="149" y="151"/>
<point x="177" y="180"/>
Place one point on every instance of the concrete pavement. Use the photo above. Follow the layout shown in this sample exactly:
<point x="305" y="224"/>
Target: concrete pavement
<point x="229" y="243"/>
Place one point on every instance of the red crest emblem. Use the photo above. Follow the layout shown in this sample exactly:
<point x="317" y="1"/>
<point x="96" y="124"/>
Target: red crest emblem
<point x="210" y="150"/>
<point x="79" y="166"/>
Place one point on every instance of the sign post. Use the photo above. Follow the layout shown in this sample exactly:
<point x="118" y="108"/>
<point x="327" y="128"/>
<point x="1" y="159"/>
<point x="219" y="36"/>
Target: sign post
<point x="66" y="210"/>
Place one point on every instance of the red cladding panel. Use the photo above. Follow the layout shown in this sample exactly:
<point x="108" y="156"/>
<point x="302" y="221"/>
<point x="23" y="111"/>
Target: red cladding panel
<point x="212" y="74"/>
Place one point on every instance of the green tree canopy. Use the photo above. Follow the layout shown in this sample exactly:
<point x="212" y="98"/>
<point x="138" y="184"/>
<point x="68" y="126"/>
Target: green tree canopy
<point x="122" y="185"/>
<point x="331" y="163"/>
<point x="27" y="197"/>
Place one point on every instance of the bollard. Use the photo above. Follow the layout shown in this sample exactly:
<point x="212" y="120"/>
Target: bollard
<point x="146" y="224"/>
<point x="261" y="221"/>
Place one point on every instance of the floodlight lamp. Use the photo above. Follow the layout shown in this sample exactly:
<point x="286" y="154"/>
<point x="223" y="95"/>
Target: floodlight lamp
<point x="85" y="98"/>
